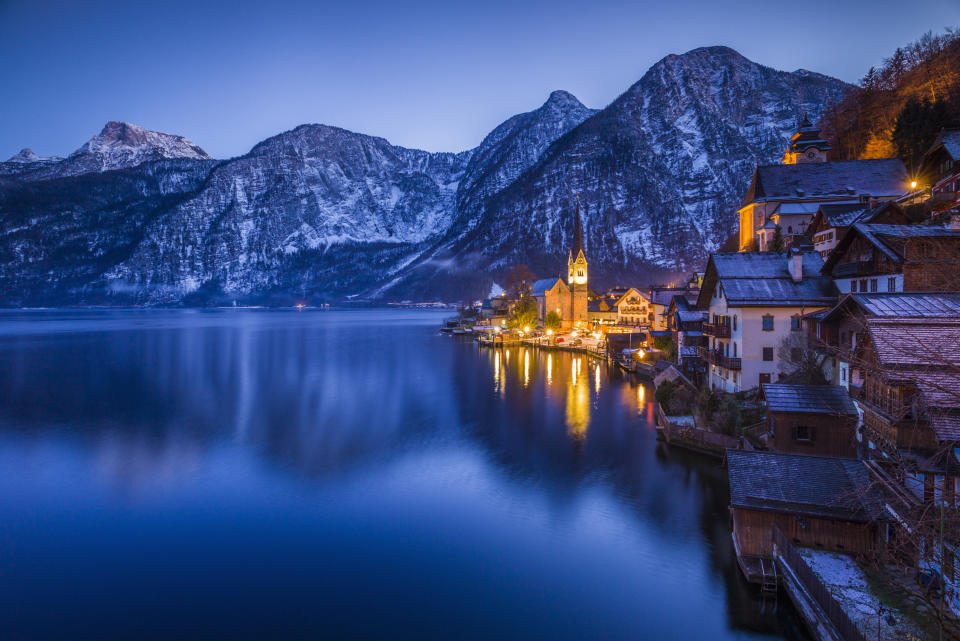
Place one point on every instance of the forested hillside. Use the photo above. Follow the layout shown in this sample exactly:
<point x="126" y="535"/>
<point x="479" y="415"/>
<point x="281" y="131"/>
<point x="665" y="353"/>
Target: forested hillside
<point x="901" y="105"/>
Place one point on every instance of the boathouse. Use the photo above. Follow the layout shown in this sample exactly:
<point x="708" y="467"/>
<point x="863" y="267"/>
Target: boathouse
<point x="816" y="501"/>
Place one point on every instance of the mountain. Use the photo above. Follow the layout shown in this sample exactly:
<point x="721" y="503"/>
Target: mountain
<point x="119" y="145"/>
<point x="321" y="213"/>
<point x="660" y="173"/>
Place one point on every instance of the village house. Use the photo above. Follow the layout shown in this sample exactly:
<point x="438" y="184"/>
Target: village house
<point x="755" y="301"/>
<point x="820" y="502"/>
<point x="632" y="308"/>
<point x="910" y="396"/>
<point x="658" y="301"/>
<point x="788" y="195"/>
<point x="831" y="222"/>
<point x="836" y="332"/>
<point x="940" y="169"/>
<point x="685" y="323"/>
<point x="601" y="311"/>
<point x="810" y="419"/>
<point x="896" y="258"/>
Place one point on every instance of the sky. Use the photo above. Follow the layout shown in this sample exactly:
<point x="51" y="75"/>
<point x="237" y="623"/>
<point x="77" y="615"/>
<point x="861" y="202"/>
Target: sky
<point x="430" y="75"/>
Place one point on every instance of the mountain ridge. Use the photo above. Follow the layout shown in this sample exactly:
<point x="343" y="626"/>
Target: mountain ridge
<point x="319" y="212"/>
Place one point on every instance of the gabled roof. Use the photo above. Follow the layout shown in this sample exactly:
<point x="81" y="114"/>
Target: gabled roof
<point x="842" y="215"/>
<point x="846" y="178"/>
<point x="763" y="279"/>
<point x="818" y="486"/>
<point x="880" y="236"/>
<point x="543" y="285"/>
<point x="949" y="141"/>
<point x="916" y="343"/>
<point x="808" y="399"/>
<point x="899" y="305"/>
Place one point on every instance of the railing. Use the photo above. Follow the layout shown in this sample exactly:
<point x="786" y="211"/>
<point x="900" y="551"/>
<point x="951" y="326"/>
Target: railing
<point x="720" y="330"/>
<point x="716" y="358"/>
<point x="815" y="587"/>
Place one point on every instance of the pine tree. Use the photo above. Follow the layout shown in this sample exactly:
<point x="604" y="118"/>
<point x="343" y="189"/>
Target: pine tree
<point x="777" y="244"/>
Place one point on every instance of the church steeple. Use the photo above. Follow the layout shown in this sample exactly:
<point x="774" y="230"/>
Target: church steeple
<point x="577" y="259"/>
<point x="806" y="145"/>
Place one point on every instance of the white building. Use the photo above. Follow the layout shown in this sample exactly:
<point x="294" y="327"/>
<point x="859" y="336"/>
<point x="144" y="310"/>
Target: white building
<point x="754" y="302"/>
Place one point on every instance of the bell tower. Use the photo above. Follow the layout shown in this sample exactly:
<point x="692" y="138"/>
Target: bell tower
<point x="577" y="272"/>
<point x="806" y="145"/>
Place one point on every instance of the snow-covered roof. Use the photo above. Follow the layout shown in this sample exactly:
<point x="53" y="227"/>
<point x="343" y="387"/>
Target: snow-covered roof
<point x="845" y="178"/>
<point x="543" y="285"/>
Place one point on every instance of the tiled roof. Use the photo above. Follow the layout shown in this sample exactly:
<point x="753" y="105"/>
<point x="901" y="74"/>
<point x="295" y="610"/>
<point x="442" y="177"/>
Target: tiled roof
<point x="691" y="315"/>
<point x="950" y="140"/>
<point x="880" y="235"/>
<point x="814" y="485"/>
<point x="916" y="342"/>
<point x="762" y="278"/>
<point x="541" y="286"/>
<point x="808" y="399"/>
<point x="946" y="425"/>
<point x="879" y="178"/>
<point x="842" y="215"/>
<point x="910" y="304"/>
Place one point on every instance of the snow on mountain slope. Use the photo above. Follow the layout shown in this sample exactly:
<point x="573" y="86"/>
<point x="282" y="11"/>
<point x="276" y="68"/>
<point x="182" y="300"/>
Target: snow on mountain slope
<point x="320" y="213"/>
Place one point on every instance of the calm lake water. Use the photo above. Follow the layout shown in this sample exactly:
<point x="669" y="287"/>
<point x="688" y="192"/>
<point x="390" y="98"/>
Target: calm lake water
<point x="245" y="474"/>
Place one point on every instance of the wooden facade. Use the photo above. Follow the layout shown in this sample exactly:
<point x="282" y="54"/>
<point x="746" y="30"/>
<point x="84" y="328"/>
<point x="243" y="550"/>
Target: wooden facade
<point x="753" y="532"/>
<point x="806" y="433"/>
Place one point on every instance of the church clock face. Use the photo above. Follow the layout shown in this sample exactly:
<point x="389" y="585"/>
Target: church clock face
<point x="811" y="154"/>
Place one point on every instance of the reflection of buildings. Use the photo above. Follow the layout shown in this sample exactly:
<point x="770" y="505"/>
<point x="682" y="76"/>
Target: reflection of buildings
<point x="578" y="401"/>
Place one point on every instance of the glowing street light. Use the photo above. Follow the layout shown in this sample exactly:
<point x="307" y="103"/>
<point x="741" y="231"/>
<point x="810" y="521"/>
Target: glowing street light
<point x="913" y="184"/>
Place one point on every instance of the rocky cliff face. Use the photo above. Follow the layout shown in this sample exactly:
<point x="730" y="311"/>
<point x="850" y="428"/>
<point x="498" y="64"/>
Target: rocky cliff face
<point x="319" y="213"/>
<point x="660" y="173"/>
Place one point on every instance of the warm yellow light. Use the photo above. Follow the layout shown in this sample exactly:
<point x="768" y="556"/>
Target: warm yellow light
<point x="526" y="329"/>
<point x="640" y="394"/>
<point x="549" y="332"/>
<point x="913" y="184"/>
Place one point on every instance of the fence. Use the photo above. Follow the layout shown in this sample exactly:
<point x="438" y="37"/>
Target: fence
<point x="812" y="583"/>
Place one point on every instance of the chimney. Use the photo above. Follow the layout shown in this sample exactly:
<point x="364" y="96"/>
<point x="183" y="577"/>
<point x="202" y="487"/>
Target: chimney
<point x="795" y="262"/>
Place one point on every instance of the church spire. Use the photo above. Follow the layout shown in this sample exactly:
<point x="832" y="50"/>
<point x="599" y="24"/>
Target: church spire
<point x="577" y="232"/>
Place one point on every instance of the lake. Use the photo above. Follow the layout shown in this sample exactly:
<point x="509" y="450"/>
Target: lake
<point x="252" y="474"/>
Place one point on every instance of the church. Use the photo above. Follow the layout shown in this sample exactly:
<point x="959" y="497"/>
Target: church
<point x="567" y="299"/>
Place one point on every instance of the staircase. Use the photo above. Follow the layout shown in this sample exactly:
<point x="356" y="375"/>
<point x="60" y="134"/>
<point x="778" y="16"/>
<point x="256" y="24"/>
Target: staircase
<point x="769" y="579"/>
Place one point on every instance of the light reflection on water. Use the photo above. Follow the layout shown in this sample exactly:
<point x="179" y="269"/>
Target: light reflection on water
<point x="253" y="474"/>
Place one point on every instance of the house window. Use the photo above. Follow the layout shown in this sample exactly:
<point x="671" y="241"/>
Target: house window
<point x="734" y="322"/>
<point x="768" y="323"/>
<point x="768" y="353"/>
<point x="853" y="287"/>
<point x="892" y="284"/>
<point x="803" y="433"/>
<point x="795" y="323"/>
<point x="873" y="285"/>
<point x="843" y="374"/>
<point x="796" y="354"/>
<point x="764" y="378"/>
<point x="734" y="350"/>
<point x="863" y="285"/>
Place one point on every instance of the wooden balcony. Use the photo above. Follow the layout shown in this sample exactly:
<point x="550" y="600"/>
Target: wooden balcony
<point x="719" y="330"/>
<point x="714" y="357"/>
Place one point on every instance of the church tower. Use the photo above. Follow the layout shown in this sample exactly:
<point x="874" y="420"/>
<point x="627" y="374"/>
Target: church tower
<point x="806" y="145"/>
<point x="577" y="273"/>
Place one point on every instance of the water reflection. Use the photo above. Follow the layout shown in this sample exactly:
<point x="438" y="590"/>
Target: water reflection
<point x="389" y="478"/>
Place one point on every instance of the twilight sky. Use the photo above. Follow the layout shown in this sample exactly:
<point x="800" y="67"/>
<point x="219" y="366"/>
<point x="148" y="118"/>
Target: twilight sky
<point x="431" y="75"/>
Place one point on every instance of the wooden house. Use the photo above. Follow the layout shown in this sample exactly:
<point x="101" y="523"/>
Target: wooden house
<point x="832" y="221"/>
<point x="895" y="258"/>
<point x="816" y="501"/>
<point x="810" y="419"/>
<point x="940" y="169"/>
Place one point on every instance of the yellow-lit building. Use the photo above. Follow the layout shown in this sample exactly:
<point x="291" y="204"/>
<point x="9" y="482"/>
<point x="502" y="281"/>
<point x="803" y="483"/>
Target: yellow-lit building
<point x="569" y="299"/>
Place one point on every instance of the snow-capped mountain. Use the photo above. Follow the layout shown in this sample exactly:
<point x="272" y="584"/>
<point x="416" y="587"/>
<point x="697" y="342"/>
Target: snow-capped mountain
<point x="119" y="145"/>
<point x="660" y="173"/>
<point x="321" y="213"/>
